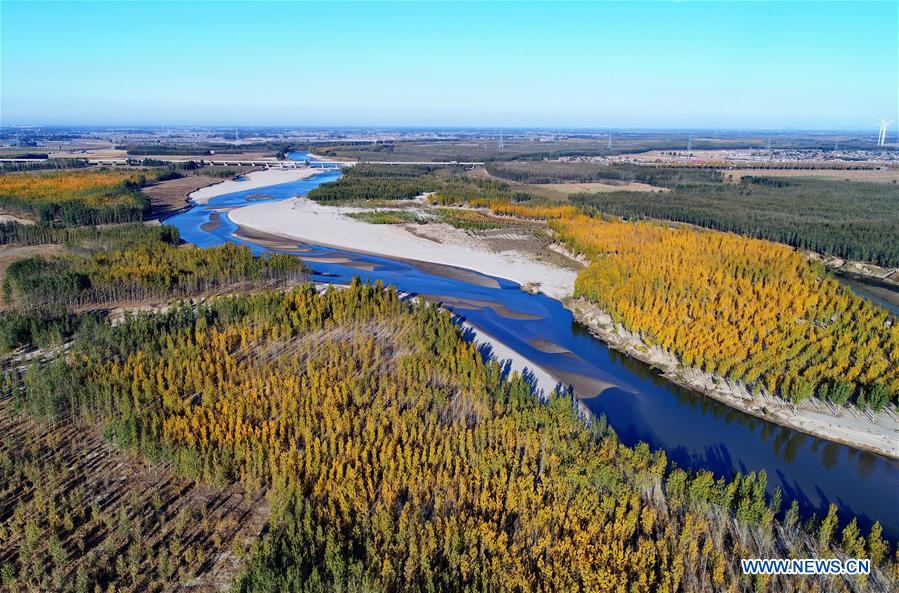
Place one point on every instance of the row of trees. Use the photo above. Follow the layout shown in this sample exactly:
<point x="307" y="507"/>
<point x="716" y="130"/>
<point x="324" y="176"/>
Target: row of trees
<point x="77" y="516"/>
<point x="377" y="182"/>
<point x="106" y="265"/>
<point x="77" y="197"/>
<point x="397" y="459"/>
<point x="145" y="270"/>
<point x="85" y="238"/>
<point x="847" y="219"/>
<point x="45" y="165"/>
<point x="585" y="172"/>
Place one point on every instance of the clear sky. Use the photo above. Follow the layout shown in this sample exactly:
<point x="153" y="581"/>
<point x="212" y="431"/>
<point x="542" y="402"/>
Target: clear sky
<point x="804" y="65"/>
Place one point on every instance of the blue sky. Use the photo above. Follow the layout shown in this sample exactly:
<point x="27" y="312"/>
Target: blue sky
<point x="805" y="65"/>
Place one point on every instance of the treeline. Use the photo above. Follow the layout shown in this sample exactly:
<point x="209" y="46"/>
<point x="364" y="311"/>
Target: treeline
<point x="148" y="269"/>
<point x="208" y="148"/>
<point x="586" y="172"/>
<point x="848" y="219"/>
<point x="476" y="192"/>
<point x="77" y="198"/>
<point x="397" y="459"/>
<point x="103" y="266"/>
<point x="45" y="165"/>
<point x="377" y="182"/>
<point x="83" y="237"/>
<point x="382" y="183"/>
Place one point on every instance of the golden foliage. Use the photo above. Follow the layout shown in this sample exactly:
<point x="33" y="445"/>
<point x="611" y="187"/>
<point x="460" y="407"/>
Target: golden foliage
<point x="741" y="308"/>
<point x="398" y="460"/>
<point x="92" y="188"/>
<point x="525" y="210"/>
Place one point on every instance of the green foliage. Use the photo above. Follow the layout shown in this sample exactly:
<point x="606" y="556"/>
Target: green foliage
<point x="586" y="172"/>
<point x="847" y="219"/>
<point x="133" y="263"/>
<point x="41" y="328"/>
<point x="84" y="237"/>
<point x="388" y="217"/>
<point x="377" y="182"/>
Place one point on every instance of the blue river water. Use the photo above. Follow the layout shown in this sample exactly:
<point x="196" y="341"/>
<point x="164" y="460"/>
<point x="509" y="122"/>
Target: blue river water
<point x="694" y="430"/>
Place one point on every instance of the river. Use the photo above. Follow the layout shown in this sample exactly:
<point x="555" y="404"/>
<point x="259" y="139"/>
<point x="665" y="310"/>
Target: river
<point x="694" y="430"/>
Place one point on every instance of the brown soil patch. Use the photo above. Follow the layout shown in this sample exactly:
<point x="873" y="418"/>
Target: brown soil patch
<point x="215" y="222"/>
<point x="270" y="241"/>
<point x="170" y="197"/>
<point x="480" y="305"/>
<point x="453" y="272"/>
<point x="585" y="387"/>
<point x="343" y="261"/>
<point x="15" y="218"/>
<point x="868" y="175"/>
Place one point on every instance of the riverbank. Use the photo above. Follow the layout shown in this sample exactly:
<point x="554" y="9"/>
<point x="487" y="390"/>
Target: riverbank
<point x="307" y="221"/>
<point x="253" y="180"/>
<point x="848" y="427"/>
<point x="170" y="197"/>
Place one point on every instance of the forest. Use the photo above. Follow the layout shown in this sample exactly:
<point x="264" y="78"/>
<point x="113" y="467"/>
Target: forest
<point x="484" y="145"/>
<point x="87" y="197"/>
<point x="104" y="267"/>
<point x="848" y="219"/>
<point x="377" y="182"/>
<point x="776" y="323"/>
<point x="585" y="172"/>
<point x="394" y="457"/>
<point x="748" y="310"/>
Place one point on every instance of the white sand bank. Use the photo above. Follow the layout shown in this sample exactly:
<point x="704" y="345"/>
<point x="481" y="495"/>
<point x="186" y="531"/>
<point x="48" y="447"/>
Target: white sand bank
<point x="516" y="362"/>
<point x="307" y="221"/>
<point x="254" y="180"/>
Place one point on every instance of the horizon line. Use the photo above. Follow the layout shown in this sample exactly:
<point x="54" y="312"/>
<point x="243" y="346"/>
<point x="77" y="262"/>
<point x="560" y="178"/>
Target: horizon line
<point x="497" y="128"/>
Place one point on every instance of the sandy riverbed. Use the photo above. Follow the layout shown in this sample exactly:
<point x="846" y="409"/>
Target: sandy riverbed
<point x="307" y="221"/>
<point x="252" y="180"/>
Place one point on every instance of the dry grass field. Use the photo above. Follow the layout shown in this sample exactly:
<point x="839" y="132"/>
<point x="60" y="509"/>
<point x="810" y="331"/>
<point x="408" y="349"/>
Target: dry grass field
<point x="868" y="175"/>
<point x="598" y="187"/>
